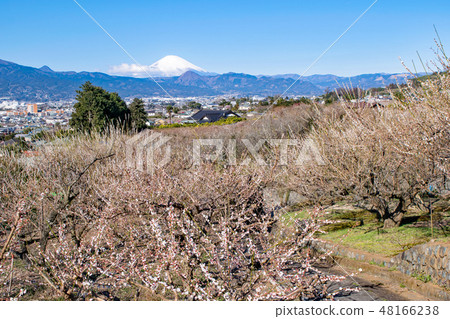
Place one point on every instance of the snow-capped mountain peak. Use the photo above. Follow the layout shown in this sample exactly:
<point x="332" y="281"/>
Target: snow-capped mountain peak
<point x="170" y="65"/>
<point x="173" y="65"/>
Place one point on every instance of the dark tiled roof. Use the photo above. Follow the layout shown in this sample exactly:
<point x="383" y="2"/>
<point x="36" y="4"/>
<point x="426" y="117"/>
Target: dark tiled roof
<point x="211" y="115"/>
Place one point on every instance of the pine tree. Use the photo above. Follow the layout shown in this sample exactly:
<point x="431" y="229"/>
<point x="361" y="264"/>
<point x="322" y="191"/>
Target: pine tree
<point x="97" y="109"/>
<point x="138" y="114"/>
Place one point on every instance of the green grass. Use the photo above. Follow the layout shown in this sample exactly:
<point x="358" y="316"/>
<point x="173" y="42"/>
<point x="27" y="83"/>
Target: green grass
<point x="289" y="218"/>
<point x="422" y="277"/>
<point x="376" y="264"/>
<point x="386" y="242"/>
<point x="223" y="121"/>
<point x="370" y="236"/>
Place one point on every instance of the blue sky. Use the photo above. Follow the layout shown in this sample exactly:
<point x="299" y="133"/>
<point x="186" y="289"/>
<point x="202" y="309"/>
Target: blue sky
<point x="256" y="37"/>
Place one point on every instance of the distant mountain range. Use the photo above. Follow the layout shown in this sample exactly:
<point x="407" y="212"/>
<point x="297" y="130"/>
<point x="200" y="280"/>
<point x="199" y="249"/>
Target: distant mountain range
<point x="43" y="84"/>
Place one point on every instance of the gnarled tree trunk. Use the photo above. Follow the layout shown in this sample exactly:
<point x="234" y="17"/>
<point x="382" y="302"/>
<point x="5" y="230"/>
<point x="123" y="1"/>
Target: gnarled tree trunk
<point x="391" y="213"/>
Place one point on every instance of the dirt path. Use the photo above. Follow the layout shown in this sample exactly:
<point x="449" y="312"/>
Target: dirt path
<point x="372" y="288"/>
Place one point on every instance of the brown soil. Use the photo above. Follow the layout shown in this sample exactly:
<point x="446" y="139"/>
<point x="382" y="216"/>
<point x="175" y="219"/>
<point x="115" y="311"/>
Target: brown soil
<point x="384" y="284"/>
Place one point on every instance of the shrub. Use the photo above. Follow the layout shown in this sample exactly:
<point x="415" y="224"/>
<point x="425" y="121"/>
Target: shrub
<point x="89" y="227"/>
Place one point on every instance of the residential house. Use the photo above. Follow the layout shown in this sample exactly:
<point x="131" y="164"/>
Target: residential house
<point x="204" y="116"/>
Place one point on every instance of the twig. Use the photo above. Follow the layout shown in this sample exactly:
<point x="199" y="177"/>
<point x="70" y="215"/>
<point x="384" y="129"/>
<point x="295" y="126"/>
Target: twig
<point x="11" y="275"/>
<point x="10" y="236"/>
<point x="49" y="281"/>
<point x="86" y="169"/>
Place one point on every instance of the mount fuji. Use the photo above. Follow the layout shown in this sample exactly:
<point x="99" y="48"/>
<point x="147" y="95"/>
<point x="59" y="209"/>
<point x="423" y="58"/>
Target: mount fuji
<point x="170" y="65"/>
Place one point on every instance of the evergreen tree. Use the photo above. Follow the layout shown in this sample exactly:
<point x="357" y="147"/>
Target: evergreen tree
<point x="194" y="105"/>
<point x="97" y="108"/>
<point x="170" y="110"/>
<point x="138" y="114"/>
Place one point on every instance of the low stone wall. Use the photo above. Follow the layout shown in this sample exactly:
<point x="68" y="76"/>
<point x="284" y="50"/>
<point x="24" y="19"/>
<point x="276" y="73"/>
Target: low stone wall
<point x="430" y="259"/>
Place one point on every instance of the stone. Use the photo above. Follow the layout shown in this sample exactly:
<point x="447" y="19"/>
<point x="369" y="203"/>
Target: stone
<point x="443" y="278"/>
<point x="435" y="250"/>
<point x="438" y="263"/>
<point x="443" y="264"/>
<point x="294" y="198"/>
<point x="272" y="197"/>
<point x="442" y="275"/>
<point x="442" y="251"/>
<point x="427" y="260"/>
<point x="422" y="249"/>
<point x="444" y="261"/>
<point x="433" y="273"/>
<point x="408" y="256"/>
<point x="434" y="263"/>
